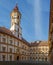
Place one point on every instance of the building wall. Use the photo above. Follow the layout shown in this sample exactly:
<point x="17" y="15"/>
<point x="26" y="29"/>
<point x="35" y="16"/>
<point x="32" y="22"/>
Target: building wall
<point x="21" y="49"/>
<point x="39" y="53"/>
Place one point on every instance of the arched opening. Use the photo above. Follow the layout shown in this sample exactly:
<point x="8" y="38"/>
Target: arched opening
<point x="17" y="57"/>
<point x="45" y="59"/>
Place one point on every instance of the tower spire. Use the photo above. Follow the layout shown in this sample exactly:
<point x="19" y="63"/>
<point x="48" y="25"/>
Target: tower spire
<point x="16" y="8"/>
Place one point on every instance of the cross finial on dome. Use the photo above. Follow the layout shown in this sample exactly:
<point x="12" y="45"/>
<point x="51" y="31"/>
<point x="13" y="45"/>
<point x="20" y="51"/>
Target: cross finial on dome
<point x="16" y="8"/>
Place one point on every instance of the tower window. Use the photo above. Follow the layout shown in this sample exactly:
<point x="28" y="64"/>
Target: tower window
<point x="18" y="17"/>
<point x="18" y="36"/>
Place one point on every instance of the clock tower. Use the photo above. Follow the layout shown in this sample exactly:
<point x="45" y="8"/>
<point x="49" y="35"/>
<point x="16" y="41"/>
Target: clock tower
<point x="15" y="22"/>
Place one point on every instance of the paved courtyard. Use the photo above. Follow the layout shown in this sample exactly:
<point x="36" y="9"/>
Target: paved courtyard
<point x="23" y="63"/>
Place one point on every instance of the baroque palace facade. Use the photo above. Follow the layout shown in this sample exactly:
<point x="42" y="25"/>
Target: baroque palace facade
<point x="14" y="47"/>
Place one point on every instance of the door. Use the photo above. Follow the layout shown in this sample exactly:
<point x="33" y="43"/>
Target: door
<point x="17" y="57"/>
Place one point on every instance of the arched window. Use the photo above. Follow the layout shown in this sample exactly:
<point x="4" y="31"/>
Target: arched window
<point x="18" y="17"/>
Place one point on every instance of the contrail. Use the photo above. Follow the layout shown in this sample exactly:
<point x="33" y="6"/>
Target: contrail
<point x="38" y="28"/>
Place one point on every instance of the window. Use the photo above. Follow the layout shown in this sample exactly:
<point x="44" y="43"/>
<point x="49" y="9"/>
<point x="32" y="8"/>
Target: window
<point x="25" y="48"/>
<point x="10" y="41"/>
<point x="18" y="35"/>
<point x="22" y="52"/>
<point x="22" y="58"/>
<point x="30" y="49"/>
<point x="46" y="48"/>
<point x="43" y="49"/>
<point x="39" y="48"/>
<point x="17" y="50"/>
<point x="36" y="58"/>
<point x="18" y="29"/>
<point x="18" y="17"/>
<point x="4" y="40"/>
<point x="33" y="49"/>
<point x="22" y="46"/>
<point x="10" y="50"/>
<point x="3" y="49"/>
<point x="3" y="57"/>
<point x="17" y="43"/>
<point x="10" y="57"/>
<point x="36" y="53"/>
<point x="30" y="58"/>
<point x="42" y="59"/>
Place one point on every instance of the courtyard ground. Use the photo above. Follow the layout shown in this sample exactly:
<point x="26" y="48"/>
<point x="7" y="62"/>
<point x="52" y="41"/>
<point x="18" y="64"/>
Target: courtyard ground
<point x="23" y="63"/>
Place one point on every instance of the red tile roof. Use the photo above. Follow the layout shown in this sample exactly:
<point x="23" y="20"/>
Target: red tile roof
<point x="41" y="43"/>
<point x="5" y="30"/>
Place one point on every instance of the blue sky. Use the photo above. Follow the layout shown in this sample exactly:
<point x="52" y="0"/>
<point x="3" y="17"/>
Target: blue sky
<point x="34" y="20"/>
